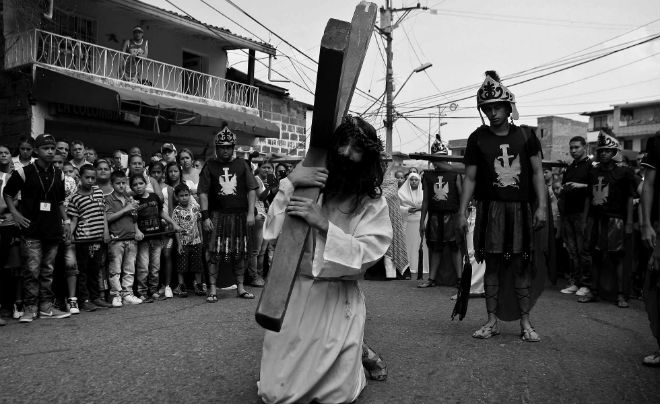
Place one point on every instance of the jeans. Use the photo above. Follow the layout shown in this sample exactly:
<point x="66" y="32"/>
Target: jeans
<point x="576" y="239"/>
<point x="121" y="266"/>
<point x="89" y="260"/>
<point x="255" y="268"/>
<point x="148" y="265"/>
<point x="39" y="256"/>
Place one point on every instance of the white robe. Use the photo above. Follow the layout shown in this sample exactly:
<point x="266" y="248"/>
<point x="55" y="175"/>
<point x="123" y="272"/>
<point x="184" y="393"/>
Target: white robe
<point x="413" y="199"/>
<point x="317" y="355"/>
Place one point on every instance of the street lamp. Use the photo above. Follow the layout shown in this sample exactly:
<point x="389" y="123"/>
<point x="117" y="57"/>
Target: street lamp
<point x="389" y="111"/>
<point x="415" y="70"/>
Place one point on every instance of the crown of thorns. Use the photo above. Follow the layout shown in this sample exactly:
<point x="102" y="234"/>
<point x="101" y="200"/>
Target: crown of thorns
<point x="352" y="127"/>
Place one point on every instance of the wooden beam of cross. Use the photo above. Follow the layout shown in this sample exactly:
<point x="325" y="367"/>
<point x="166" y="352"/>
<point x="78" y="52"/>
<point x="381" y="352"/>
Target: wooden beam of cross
<point x="343" y="48"/>
<point x="459" y="159"/>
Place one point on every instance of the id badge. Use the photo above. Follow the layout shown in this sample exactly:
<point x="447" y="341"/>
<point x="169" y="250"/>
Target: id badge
<point x="44" y="206"/>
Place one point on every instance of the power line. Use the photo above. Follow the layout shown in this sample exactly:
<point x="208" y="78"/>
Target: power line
<point x="560" y="70"/>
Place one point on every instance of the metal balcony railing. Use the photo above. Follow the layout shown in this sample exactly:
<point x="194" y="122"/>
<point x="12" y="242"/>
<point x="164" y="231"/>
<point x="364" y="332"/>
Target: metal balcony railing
<point x="37" y="46"/>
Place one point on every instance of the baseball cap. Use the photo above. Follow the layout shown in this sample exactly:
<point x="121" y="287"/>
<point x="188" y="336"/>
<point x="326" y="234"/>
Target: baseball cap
<point x="44" y="139"/>
<point x="138" y="28"/>
<point x="167" y="146"/>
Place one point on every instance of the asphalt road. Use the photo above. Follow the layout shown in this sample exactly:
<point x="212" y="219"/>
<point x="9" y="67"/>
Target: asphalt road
<point x="186" y="350"/>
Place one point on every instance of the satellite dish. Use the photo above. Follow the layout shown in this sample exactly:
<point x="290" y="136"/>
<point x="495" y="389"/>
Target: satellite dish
<point x="453" y="106"/>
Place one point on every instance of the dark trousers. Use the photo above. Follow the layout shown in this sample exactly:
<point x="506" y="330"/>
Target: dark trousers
<point x="576" y="238"/>
<point x="89" y="258"/>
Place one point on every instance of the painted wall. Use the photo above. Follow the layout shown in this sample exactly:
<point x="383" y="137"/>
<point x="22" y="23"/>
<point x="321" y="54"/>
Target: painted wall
<point x="555" y="134"/>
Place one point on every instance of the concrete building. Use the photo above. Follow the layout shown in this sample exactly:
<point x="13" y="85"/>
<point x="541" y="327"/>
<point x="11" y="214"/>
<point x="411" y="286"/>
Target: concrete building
<point x="632" y="123"/>
<point x="65" y="74"/>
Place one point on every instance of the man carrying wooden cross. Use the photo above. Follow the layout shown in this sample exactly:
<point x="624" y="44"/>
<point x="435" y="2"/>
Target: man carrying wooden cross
<point x="317" y="355"/>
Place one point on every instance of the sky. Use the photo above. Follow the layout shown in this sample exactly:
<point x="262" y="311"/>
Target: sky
<point x="463" y="39"/>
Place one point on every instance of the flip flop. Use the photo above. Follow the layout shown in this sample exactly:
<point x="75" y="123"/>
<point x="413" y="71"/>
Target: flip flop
<point x="529" y="335"/>
<point x="212" y="299"/>
<point x="246" y="295"/>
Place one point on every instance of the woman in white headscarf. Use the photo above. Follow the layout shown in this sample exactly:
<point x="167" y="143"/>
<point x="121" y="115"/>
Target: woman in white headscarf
<point x="411" y="197"/>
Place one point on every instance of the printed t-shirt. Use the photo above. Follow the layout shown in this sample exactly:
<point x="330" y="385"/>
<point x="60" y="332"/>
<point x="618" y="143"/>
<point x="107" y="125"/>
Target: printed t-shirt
<point x="610" y="186"/>
<point x="148" y="213"/>
<point x="227" y="185"/>
<point x="442" y="190"/>
<point x="187" y="219"/>
<point x="504" y="169"/>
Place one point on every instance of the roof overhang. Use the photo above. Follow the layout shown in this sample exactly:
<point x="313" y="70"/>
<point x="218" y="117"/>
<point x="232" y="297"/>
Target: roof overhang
<point x="232" y="41"/>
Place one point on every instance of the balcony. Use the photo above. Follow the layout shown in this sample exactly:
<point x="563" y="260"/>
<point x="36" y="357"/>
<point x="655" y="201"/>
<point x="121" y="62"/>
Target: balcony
<point x="109" y="66"/>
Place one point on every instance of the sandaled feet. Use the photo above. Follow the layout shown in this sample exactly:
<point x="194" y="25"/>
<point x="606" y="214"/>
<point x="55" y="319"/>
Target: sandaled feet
<point x="652" y="360"/>
<point x="246" y="295"/>
<point x="212" y="299"/>
<point x="429" y="283"/>
<point x="487" y="331"/>
<point x="529" y="335"/>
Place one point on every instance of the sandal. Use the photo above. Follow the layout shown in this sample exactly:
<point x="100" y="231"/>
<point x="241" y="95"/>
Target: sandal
<point x="429" y="283"/>
<point x="375" y="367"/>
<point x="211" y="299"/>
<point x="529" y="335"/>
<point x="246" y="295"/>
<point x="652" y="360"/>
<point x="487" y="331"/>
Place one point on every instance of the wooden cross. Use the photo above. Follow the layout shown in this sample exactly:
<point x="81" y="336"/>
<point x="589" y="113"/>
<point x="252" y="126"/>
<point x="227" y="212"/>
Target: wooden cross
<point x="343" y="48"/>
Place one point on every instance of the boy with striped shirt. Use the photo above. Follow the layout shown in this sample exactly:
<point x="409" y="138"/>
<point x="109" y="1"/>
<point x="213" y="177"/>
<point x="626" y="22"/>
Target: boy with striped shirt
<point x="89" y="227"/>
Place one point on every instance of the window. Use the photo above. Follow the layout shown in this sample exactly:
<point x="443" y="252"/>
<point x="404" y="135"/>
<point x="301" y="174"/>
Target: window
<point x="627" y="145"/>
<point x="72" y="25"/>
<point x="600" y="122"/>
<point x="627" y="117"/>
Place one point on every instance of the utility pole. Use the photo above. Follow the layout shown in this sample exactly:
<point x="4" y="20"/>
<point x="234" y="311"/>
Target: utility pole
<point x="387" y="26"/>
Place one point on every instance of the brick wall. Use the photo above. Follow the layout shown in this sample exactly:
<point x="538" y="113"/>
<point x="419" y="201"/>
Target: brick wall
<point x="290" y="116"/>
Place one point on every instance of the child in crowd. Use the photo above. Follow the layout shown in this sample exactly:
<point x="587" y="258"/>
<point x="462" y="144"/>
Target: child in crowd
<point x="189" y="259"/>
<point x="89" y="226"/>
<point x="156" y="172"/>
<point x="136" y="167"/>
<point x="149" y="213"/>
<point x="122" y="249"/>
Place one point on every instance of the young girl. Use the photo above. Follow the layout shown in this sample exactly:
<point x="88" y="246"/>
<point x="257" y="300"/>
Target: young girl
<point x="149" y="213"/>
<point x="189" y="241"/>
<point x="173" y="178"/>
<point x="189" y="174"/>
<point x="24" y="153"/>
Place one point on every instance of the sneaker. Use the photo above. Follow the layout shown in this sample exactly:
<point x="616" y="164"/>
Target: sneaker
<point x="53" y="312"/>
<point x="27" y="316"/>
<point x="582" y="291"/>
<point x="18" y="310"/>
<point x="132" y="299"/>
<point x="161" y="291"/>
<point x="157" y="296"/>
<point x="100" y="302"/>
<point x="259" y="282"/>
<point x="87" y="306"/>
<point x="588" y="298"/>
<point x="72" y="305"/>
<point x="168" y="292"/>
<point x="147" y="299"/>
<point x="116" y="301"/>
<point x="569" y="290"/>
<point x="232" y="287"/>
